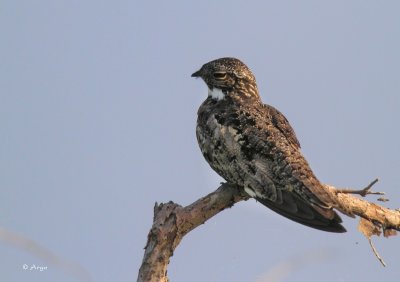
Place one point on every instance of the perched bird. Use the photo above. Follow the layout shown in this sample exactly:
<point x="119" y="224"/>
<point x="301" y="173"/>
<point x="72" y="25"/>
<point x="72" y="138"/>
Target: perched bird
<point x="252" y="145"/>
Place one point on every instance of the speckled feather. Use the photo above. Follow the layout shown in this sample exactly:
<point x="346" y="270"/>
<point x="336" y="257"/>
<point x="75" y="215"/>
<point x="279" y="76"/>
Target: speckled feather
<point x="252" y="145"/>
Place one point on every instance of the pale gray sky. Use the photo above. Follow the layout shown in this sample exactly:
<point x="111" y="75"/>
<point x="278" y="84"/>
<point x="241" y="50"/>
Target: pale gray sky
<point x="98" y="113"/>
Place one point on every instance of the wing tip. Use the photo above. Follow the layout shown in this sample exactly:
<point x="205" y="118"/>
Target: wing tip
<point x="317" y="220"/>
<point x="333" y="227"/>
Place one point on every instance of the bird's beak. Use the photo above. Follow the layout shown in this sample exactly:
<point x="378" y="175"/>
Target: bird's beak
<point x="197" y="73"/>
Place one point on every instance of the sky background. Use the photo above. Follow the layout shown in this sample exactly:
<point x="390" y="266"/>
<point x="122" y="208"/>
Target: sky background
<point x="97" y="123"/>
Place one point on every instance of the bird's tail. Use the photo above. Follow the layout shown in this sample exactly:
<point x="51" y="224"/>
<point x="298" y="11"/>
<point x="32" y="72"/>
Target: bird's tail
<point x="295" y="208"/>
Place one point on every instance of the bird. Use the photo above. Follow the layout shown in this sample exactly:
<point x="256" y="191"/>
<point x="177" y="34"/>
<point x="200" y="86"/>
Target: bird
<point x="252" y="145"/>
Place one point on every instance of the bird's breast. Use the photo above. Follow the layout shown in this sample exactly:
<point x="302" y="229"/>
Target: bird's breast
<point x="221" y="140"/>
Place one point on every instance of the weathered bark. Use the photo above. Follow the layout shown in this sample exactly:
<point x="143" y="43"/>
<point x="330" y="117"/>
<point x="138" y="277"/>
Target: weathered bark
<point x="172" y="222"/>
<point x="386" y="218"/>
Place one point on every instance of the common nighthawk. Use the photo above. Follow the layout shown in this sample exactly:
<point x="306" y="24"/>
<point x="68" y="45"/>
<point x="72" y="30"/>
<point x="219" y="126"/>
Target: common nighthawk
<point x="252" y="145"/>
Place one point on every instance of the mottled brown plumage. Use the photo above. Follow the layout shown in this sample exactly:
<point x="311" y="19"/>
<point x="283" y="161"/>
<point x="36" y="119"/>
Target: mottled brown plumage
<point x="252" y="145"/>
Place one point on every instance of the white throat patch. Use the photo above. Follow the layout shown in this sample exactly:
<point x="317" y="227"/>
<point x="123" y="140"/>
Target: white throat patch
<point x="216" y="93"/>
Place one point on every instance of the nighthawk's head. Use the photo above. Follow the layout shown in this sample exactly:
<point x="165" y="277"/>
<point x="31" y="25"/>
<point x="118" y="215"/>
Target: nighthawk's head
<point x="228" y="76"/>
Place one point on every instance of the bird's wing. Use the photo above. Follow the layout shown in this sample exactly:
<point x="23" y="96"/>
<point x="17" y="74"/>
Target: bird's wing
<point x="299" y="195"/>
<point x="283" y="125"/>
<point x="295" y="208"/>
<point x="290" y="198"/>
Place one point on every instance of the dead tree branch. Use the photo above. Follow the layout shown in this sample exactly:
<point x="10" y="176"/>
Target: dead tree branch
<point x="172" y="222"/>
<point x="386" y="218"/>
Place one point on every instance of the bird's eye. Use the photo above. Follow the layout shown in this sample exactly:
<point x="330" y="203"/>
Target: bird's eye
<point x="219" y="75"/>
